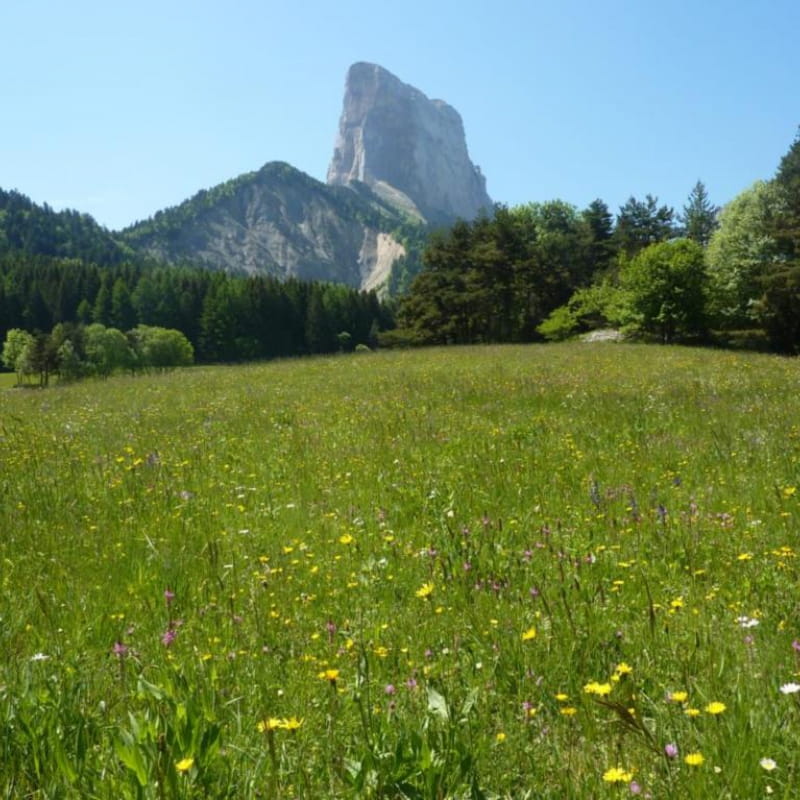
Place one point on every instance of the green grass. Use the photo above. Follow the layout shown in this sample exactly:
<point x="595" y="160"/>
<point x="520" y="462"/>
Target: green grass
<point x="423" y="558"/>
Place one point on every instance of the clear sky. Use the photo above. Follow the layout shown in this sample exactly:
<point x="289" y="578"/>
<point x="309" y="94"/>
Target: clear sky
<point x="121" y="109"/>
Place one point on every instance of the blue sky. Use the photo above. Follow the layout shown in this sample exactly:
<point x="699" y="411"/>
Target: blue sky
<point x="121" y="109"/>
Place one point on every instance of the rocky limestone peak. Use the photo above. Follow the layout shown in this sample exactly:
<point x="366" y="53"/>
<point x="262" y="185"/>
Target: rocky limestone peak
<point x="397" y="141"/>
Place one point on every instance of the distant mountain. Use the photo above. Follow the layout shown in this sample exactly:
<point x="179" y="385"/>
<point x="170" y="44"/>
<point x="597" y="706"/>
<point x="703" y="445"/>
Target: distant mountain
<point x="406" y="147"/>
<point x="282" y="222"/>
<point x="400" y="165"/>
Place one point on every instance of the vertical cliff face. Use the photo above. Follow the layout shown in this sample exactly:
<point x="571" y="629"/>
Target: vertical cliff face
<point x="396" y="140"/>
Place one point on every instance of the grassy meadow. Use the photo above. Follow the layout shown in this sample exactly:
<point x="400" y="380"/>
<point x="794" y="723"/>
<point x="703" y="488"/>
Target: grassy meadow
<point x="566" y="571"/>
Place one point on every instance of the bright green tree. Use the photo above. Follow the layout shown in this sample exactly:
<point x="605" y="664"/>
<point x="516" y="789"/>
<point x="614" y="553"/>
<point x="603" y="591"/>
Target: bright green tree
<point x="665" y="287"/>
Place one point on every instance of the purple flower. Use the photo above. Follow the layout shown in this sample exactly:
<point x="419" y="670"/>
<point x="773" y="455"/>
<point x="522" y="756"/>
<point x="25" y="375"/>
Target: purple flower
<point x="671" y="750"/>
<point x="389" y="689"/>
<point x="635" y="788"/>
<point x="411" y="683"/>
<point x="168" y="637"/>
<point x="169" y="596"/>
<point x="796" y="645"/>
<point x="119" y="649"/>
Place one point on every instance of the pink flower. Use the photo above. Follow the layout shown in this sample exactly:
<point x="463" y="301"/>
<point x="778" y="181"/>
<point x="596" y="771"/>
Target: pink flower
<point x="119" y="649"/>
<point x="168" y="637"/>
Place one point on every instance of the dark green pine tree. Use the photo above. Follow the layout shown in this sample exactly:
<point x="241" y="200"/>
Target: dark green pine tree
<point x="699" y="217"/>
<point x="600" y="223"/>
<point x="123" y="314"/>
<point x="779" y="307"/>
<point x="643" y="222"/>
<point x="101" y="310"/>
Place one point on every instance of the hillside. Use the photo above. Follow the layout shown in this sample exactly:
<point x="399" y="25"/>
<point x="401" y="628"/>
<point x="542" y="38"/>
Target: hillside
<point x="279" y="221"/>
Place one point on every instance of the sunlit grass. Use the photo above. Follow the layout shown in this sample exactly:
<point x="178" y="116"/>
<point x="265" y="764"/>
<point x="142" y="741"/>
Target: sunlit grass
<point x="562" y="571"/>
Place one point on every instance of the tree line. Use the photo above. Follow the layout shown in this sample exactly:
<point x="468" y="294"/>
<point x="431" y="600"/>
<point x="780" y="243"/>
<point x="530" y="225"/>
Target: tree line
<point x="548" y="270"/>
<point x="224" y="317"/>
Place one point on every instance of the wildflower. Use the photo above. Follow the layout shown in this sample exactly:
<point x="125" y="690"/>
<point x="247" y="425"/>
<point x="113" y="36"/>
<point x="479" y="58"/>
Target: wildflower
<point x="600" y="689"/>
<point x="329" y="675"/>
<point x="796" y="645"/>
<point x="678" y="697"/>
<point x="617" y="775"/>
<point x="168" y="637"/>
<point x="345" y="538"/>
<point x="269" y="724"/>
<point x="169" y="596"/>
<point x="671" y="750"/>
<point x="790" y="688"/>
<point x="768" y="764"/>
<point x="692" y="712"/>
<point x="529" y="634"/>
<point x="561" y="697"/>
<point x="292" y="723"/>
<point x="715" y="708"/>
<point x="623" y="669"/>
<point x="635" y="788"/>
<point x="119" y="649"/>
<point x="569" y="711"/>
<point x="411" y="683"/>
<point x="426" y="590"/>
<point x="39" y="657"/>
<point x="501" y="737"/>
<point x="184" y="765"/>
<point x="694" y="759"/>
<point x="389" y="689"/>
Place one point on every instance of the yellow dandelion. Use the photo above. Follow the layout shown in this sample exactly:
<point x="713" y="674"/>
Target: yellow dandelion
<point x="692" y="712"/>
<point x="600" y="689"/>
<point x="269" y="724"/>
<point x="678" y="697"/>
<point x="329" y="675"/>
<point x="715" y="708"/>
<point x="346" y="538"/>
<point x="561" y="697"/>
<point x="694" y="759"/>
<point x="623" y="669"/>
<point x="292" y="723"/>
<point x="529" y="634"/>
<point x="426" y="590"/>
<point x="184" y="765"/>
<point x="501" y="737"/>
<point x="617" y="775"/>
<point x="569" y="711"/>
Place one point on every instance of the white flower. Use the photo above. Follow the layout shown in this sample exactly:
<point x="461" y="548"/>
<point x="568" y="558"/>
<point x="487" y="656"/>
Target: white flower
<point x="747" y="622"/>
<point x="43" y="657"/>
<point x="790" y="688"/>
<point x="768" y="764"/>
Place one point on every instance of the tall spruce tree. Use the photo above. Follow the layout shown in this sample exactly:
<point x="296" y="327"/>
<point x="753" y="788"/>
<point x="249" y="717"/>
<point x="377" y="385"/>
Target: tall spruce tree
<point x="699" y="217"/>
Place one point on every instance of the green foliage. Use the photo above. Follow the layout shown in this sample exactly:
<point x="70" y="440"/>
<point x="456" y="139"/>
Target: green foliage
<point x="699" y="217"/>
<point x="495" y="279"/>
<point x="665" y="288"/>
<point x="596" y="306"/>
<point x="641" y="223"/>
<point x="741" y="250"/>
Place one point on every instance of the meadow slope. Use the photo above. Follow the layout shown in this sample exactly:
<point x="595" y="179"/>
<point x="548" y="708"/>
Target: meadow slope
<point x="566" y="571"/>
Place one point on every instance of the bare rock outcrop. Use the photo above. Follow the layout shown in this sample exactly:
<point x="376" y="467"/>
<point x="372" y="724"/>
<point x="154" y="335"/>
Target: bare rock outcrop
<point x="403" y="145"/>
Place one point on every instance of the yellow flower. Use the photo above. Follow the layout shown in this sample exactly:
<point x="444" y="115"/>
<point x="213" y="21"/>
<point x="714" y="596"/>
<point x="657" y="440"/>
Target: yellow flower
<point x="184" y="765"/>
<point x="529" y="634"/>
<point x="617" y="775"/>
<point x="269" y="724"/>
<point x="692" y="712"/>
<point x="694" y="759"/>
<point x="679" y="697"/>
<point x="623" y="669"/>
<point x="426" y="590"/>
<point x="329" y="675"/>
<point x="676" y="603"/>
<point x="345" y="538"/>
<point x="501" y="737"/>
<point x="601" y="689"/>
<point x="561" y="697"/>
<point x="292" y="723"/>
<point x="569" y="711"/>
<point x="715" y="708"/>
